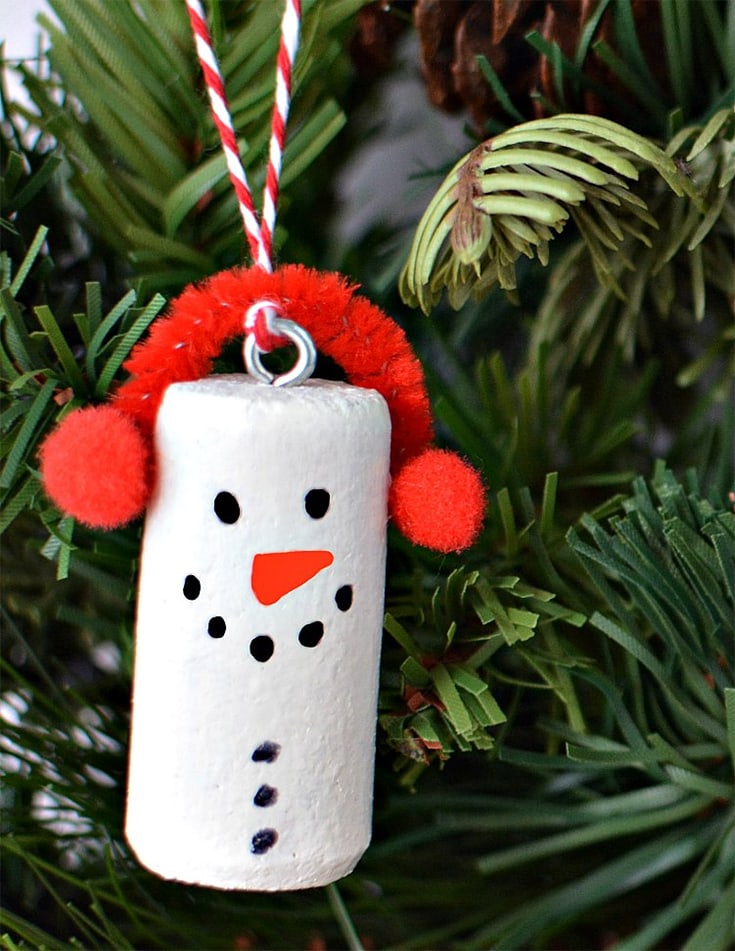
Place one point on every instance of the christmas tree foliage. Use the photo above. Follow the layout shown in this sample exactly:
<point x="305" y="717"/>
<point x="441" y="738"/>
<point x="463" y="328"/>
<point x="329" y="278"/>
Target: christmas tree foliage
<point x="556" y="739"/>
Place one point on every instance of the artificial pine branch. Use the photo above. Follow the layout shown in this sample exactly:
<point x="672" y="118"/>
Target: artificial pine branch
<point x="520" y="424"/>
<point x="449" y="638"/>
<point x="681" y="275"/>
<point x="508" y="197"/>
<point x="648" y="786"/>
<point x="142" y="148"/>
<point x="44" y="377"/>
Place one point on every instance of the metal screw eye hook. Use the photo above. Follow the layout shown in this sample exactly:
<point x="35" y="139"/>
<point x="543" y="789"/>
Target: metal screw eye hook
<point x="305" y="359"/>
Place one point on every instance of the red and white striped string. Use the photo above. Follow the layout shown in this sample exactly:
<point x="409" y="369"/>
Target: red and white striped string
<point x="290" y="28"/>
<point x="258" y="233"/>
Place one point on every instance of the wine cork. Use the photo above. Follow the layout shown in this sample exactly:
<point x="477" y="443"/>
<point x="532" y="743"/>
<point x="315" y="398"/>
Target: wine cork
<point x="258" y="633"/>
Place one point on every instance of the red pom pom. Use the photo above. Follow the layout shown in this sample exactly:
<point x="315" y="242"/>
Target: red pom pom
<point x="95" y="466"/>
<point x="438" y="500"/>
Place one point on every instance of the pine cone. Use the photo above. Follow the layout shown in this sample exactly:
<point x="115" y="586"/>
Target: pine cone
<point x="453" y="33"/>
<point x="436" y="23"/>
<point x="495" y="31"/>
<point x="378" y="31"/>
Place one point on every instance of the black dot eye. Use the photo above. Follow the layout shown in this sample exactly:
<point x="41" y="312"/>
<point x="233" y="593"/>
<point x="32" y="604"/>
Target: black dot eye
<point x="262" y="647"/>
<point x="263" y="840"/>
<point x="316" y="503"/>
<point x="311" y="634"/>
<point x="343" y="597"/>
<point x="192" y="587"/>
<point x="265" y="796"/>
<point x="216" y="627"/>
<point x="266" y="753"/>
<point x="226" y="508"/>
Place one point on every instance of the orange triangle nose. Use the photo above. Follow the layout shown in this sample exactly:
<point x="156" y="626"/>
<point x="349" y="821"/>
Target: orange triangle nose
<point x="276" y="573"/>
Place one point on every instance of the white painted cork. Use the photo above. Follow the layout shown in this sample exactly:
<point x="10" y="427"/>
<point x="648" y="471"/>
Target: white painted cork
<point x="258" y="634"/>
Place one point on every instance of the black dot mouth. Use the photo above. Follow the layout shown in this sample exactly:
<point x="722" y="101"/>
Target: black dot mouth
<point x="262" y="648"/>
<point x="343" y="597"/>
<point x="216" y="627"/>
<point x="311" y="634"/>
<point x="192" y="587"/>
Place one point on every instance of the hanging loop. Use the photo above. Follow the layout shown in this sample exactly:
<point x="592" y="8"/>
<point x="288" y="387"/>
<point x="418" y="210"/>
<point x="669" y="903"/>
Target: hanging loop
<point x="295" y="333"/>
<point x="262" y="324"/>
<point x="259" y="233"/>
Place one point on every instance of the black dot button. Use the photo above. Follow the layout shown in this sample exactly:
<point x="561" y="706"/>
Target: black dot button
<point x="266" y="753"/>
<point x="265" y="796"/>
<point x="263" y="840"/>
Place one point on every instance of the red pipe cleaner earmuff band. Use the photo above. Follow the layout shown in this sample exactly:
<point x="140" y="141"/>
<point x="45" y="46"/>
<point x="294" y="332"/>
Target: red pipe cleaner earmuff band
<point x="98" y="464"/>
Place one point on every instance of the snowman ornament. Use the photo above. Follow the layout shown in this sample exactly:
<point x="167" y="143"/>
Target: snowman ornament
<point x="260" y="598"/>
<point x="258" y="634"/>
